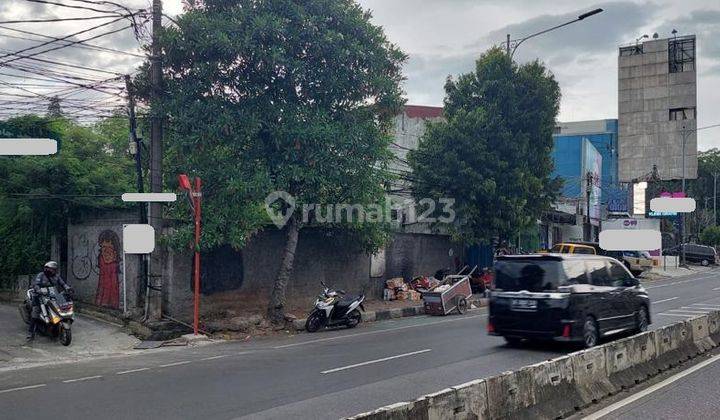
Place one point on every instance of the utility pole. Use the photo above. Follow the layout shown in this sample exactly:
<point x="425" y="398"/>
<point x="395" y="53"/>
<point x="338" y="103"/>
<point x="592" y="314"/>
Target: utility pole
<point x="715" y="176"/>
<point x="685" y="133"/>
<point x="588" y="192"/>
<point x="154" y="312"/>
<point x="142" y="214"/>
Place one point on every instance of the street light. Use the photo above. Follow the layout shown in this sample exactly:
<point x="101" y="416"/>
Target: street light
<point x="516" y="42"/>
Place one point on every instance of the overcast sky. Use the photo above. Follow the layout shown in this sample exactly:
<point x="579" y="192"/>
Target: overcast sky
<point x="444" y="37"/>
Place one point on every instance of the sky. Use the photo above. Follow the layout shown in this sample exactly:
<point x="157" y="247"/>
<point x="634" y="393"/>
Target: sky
<point x="445" y="37"/>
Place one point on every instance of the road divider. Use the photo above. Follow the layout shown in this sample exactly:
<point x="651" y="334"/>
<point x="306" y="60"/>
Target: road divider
<point x="562" y="386"/>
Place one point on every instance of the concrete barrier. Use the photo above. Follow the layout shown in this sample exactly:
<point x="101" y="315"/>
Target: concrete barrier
<point x="700" y="327"/>
<point x="630" y="360"/>
<point x="673" y="343"/>
<point x="510" y="394"/>
<point x="556" y="393"/>
<point x="559" y="387"/>
<point x="714" y="326"/>
<point x="590" y="375"/>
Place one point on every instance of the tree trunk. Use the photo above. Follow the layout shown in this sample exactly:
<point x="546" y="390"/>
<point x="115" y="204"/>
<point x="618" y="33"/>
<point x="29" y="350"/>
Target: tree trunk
<point x="276" y="308"/>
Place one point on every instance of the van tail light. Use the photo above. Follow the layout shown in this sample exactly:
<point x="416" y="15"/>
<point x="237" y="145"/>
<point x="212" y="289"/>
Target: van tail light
<point x="566" y="331"/>
<point x="490" y="327"/>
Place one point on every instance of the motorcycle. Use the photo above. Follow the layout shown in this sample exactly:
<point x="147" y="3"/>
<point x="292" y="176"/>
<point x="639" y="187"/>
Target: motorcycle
<point x="56" y="313"/>
<point x="333" y="307"/>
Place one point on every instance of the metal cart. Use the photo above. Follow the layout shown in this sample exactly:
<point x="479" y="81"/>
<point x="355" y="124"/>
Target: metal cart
<point x="452" y="298"/>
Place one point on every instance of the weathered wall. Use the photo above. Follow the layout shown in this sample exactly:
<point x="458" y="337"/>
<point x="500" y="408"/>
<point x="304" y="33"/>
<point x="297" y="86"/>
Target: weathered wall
<point x="95" y="260"/>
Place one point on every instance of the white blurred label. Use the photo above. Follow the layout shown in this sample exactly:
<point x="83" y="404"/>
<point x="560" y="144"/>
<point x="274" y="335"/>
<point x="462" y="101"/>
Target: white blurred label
<point x="138" y="239"/>
<point x="149" y="197"/>
<point x="27" y="147"/>
<point x="630" y="240"/>
<point x="673" y="204"/>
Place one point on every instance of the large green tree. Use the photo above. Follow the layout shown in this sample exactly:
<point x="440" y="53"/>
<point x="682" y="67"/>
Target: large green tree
<point x="491" y="153"/>
<point x="282" y="95"/>
<point x="38" y="194"/>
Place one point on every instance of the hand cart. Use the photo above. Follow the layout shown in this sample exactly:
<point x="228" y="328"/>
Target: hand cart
<point x="451" y="295"/>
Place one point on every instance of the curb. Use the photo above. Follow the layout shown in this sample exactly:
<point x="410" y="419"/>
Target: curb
<point x="394" y="313"/>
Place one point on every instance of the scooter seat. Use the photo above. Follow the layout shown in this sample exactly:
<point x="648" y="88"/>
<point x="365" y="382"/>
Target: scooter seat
<point x="346" y="301"/>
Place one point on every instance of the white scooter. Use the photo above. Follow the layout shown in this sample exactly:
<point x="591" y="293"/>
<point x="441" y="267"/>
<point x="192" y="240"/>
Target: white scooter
<point x="333" y="307"/>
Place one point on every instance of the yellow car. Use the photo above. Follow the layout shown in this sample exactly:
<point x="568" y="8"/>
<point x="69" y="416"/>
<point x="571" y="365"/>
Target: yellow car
<point x="572" y="248"/>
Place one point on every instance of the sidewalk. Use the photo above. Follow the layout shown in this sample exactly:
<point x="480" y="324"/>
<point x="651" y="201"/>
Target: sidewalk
<point x="672" y="272"/>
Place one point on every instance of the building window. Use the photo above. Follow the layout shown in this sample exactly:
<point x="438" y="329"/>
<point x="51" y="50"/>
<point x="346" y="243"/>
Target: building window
<point x="681" y="55"/>
<point x="679" y="114"/>
<point x="557" y="130"/>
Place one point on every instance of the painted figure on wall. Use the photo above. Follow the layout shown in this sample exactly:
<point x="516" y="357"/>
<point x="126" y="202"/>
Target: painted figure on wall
<point x="108" y="289"/>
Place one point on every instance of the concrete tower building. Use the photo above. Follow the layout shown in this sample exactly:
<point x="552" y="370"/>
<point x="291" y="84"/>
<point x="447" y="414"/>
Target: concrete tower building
<point x="657" y="108"/>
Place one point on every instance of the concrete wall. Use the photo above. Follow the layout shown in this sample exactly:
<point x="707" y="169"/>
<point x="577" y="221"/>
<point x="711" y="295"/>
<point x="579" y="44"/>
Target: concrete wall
<point x="86" y="238"/>
<point x="647" y="92"/>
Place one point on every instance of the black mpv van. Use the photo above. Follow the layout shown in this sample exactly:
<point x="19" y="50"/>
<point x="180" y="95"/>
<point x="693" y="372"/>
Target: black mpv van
<point x="565" y="297"/>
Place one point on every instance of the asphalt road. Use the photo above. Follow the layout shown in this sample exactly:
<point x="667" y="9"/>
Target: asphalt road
<point x="689" y="394"/>
<point x="324" y="375"/>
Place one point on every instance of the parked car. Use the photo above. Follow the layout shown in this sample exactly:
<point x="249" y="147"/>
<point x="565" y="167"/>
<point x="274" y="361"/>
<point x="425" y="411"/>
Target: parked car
<point x="637" y="262"/>
<point x="565" y="297"/>
<point x="572" y="248"/>
<point x="695" y="253"/>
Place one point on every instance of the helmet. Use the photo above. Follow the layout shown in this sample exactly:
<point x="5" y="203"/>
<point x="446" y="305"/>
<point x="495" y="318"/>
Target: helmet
<point x="51" y="264"/>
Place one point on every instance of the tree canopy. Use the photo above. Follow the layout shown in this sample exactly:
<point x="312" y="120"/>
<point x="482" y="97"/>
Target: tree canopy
<point x="39" y="193"/>
<point x="293" y="96"/>
<point x="491" y="153"/>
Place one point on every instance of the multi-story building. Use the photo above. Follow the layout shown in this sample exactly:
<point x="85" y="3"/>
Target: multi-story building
<point x="657" y="108"/>
<point x="585" y="158"/>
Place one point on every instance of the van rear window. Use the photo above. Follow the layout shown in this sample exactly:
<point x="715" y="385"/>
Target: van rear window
<point x="530" y="275"/>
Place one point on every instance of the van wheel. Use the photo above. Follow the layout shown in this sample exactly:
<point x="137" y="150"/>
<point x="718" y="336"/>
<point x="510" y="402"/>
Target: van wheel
<point x="705" y="263"/>
<point x="642" y="320"/>
<point x="591" y="334"/>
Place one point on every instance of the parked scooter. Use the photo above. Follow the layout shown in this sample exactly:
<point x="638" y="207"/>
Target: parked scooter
<point x="56" y="313"/>
<point x="333" y="307"/>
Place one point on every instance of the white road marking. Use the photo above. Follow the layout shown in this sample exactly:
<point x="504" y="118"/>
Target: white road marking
<point x="216" y="357"/>
<point x="717" y="288"/>
<point x="184" y="362"/>
<point x="706" y="304"/>
<point x="707" y="308"/>
<point x="665" y="300"/>
<point x="21" y="388"/>
<point x="132" y="371"/>
<point x="688" y="311"/>
<point x="378" y="331"/>
<point x="620" y="404"/>
<point x="87" y="378"/>
<point x="384" y="359"/>
<point x="682" y="315"/>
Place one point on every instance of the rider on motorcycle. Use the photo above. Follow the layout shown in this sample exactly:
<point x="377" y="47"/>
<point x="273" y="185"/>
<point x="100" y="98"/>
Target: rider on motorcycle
<point x="49" y="277"/>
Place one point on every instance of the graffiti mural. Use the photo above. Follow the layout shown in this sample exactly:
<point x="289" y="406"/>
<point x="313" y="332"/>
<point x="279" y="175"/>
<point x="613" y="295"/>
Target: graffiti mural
<point x="81" y="265"/>
<point x="108" y="263"/>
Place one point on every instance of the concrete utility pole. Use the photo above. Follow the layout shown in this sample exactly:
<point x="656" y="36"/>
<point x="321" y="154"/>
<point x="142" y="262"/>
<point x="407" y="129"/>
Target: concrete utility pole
<point x="715" y="177"/>
<point x="685" y="134"/>
<point x="142" y="213"/>
<point x="588" y="192"/>
<point x="154" y="312"/>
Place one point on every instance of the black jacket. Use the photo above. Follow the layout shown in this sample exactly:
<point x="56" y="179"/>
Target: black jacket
<point x="41" y="280"/>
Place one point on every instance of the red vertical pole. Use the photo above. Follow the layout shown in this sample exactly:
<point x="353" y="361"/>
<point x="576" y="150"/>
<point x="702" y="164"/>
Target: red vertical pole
<point x="196" y="193"/>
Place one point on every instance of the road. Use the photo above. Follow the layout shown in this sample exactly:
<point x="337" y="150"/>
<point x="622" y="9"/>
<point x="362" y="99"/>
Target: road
<point x="324" y="375"/>
<point x="691" y="393"/>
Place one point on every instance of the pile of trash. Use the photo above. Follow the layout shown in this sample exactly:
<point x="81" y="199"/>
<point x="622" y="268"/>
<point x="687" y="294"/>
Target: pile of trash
<point x="398" y="289"/>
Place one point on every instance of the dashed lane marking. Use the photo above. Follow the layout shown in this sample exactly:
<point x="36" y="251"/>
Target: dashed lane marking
<point x="369" y="362"/>
<point x="215" y="357"/>
<point x="132" y="371"/>
<point x="4" y="391"/>
<point x="665" y="300"/>
<point x="87" y="378"/>
<point x="184" y="362"/>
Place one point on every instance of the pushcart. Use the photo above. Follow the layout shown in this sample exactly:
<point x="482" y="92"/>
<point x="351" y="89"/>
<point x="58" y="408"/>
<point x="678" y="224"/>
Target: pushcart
<point x="451" y="295"/>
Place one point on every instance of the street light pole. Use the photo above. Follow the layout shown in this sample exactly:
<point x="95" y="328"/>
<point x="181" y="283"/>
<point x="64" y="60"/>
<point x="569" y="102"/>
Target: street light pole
<point x="516" y="43"/>
<point x="715" y="177"/>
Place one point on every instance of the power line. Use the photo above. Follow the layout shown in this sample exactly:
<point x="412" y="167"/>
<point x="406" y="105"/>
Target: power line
<point x="83" y="45"/>
<point x="6" y="22"/>
<point x="68" y="6"/>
